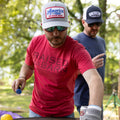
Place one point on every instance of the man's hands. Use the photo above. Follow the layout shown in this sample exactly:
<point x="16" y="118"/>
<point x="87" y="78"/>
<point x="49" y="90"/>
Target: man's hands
<point x="92" y="113"/>
<point x="98" y="60"/>
<point x="20" y="82"/>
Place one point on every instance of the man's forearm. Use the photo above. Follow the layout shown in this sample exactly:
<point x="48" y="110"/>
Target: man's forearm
<point x="96" y="93"/>
<point x="96" y="87"/>
<point x="26" y="71"/>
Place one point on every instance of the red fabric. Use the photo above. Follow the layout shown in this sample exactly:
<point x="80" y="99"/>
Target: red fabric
<point x="55" y="72"/>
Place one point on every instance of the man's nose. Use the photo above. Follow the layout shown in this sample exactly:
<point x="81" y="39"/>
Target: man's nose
<point x="56" y="32"/>
<point x="95" y="26"/>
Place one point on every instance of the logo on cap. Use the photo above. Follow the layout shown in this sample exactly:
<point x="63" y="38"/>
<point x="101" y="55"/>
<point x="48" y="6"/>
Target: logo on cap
<point x="94" y="14"/>
<point x="55" y="12"/>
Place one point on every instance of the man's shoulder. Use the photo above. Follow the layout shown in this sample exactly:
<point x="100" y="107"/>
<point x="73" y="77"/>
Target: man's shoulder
<point x="100" y="38"/>
<point x="37" y="38"/>
<point x="81" y="37"/>
<point x="75" y="44"/>
<point x="78" y="36"/>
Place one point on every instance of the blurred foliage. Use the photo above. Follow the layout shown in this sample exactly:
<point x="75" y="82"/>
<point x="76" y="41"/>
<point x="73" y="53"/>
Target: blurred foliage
<point x="18" y="23"/>
<point x="20" y="20"/>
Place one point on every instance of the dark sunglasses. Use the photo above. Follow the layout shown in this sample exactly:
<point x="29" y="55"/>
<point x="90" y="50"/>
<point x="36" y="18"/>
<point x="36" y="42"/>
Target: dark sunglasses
<point x="92" y="24"/>
<point x="59" y="28"/>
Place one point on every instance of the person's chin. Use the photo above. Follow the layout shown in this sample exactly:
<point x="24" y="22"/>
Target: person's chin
<point x="93" y="35"/>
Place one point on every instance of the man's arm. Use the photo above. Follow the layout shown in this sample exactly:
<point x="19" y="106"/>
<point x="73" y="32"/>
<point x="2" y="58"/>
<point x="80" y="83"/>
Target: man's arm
<point x="25" y="73"/>
<point x="96" y="87"/>
<point x="96" y="91"/>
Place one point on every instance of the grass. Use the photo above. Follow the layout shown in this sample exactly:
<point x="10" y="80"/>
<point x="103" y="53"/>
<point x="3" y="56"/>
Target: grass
<point x="111" y="111"/>
<point x="10" y="101"/>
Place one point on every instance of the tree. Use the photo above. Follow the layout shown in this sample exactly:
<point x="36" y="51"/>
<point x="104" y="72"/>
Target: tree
<point x="103" y="5"/>
<point x="19" y="21"/>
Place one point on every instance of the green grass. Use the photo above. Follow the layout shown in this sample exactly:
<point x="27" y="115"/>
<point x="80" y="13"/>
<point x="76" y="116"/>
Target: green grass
<point x="111" y="111"/>
<point x="10" y="101"/>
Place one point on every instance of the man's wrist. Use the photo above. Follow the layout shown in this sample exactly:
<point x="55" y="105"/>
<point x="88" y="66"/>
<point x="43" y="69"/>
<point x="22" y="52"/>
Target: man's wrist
<point x="22" y="77"/>
<point x="92" y="112"/>
<point x="96" y="107"/>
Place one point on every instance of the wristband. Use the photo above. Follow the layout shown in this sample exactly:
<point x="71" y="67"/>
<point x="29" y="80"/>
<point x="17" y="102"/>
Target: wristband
<point x="22" y="77"/>
<point x="95" y="107"/>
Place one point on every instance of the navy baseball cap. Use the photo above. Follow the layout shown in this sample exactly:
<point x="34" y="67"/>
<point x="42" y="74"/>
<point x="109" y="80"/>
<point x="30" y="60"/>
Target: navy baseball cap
<point x="92" y="14"/>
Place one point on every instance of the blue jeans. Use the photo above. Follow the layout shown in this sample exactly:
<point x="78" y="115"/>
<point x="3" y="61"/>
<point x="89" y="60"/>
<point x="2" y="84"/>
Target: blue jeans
<point x="32" y="114"/>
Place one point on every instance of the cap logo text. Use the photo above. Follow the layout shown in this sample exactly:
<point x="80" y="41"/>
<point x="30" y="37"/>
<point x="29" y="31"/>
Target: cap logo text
<point x="94" y="14"/>
<point x="55" y="12"/>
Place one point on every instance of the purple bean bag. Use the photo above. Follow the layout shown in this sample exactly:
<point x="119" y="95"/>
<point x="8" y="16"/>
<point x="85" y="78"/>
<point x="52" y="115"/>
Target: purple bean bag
<point x="14" y="115"/>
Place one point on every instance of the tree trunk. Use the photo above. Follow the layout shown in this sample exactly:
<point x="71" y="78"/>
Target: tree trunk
<point x="103" y="5"/>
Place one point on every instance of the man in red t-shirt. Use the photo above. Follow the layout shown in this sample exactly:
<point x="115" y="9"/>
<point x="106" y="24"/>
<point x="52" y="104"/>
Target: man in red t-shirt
<point x="55" y="59"/>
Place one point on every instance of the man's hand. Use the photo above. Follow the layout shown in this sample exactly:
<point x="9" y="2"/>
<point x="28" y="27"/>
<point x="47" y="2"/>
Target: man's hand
<point x="91" y="113"/>
<point x="98" y="60"/>
<point x="25" y="73"/>
<point x="20" y="82"/>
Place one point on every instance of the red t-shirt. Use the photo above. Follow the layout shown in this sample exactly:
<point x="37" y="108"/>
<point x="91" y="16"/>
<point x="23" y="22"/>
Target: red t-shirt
<point x="55" y="71"/>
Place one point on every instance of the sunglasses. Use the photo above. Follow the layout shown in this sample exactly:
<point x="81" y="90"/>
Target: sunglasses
<point x="59" y="28"/>
<point x="92" y="24"/>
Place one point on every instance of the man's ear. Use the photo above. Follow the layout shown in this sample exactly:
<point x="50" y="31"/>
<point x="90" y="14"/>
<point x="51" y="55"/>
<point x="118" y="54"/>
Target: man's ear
<point x="70" y="22"/>
<point x="41" y="26"/>
<point x="83" y="21"/>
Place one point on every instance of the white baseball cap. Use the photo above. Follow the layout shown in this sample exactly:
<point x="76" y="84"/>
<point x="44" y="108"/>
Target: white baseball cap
<point x="54" y="13"/>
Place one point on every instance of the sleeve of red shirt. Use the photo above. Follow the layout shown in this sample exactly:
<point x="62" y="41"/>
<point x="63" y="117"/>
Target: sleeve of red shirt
<point x="31" y="46"/>
<point x="82" y="58"/>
